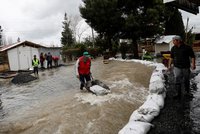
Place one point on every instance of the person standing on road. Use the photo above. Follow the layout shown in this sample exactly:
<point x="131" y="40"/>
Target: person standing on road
<point x="42" y="59"/>
<point x="35" y="64"/>
<point x="49" y="60"/>
<point x="83" y="65"/>
<point x="182" y="57"/>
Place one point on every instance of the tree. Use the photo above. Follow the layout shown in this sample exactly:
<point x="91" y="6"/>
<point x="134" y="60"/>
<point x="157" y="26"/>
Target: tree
<point x="114" y="19"/>
<point x="75" y="20"/>
<point x="143" y="18"/>
<point x="104" y="17"/>
<point x="67" y="38"/>
<point x="173" y="22"/>
<point x="129" y="19"/>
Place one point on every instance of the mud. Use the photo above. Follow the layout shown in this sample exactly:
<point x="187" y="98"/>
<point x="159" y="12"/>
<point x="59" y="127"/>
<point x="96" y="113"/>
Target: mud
<point x="23" y="77"/>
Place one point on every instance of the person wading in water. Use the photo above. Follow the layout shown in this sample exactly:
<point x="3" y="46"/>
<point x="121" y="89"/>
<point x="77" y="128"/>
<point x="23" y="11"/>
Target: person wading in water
<point x="83" y="65"/>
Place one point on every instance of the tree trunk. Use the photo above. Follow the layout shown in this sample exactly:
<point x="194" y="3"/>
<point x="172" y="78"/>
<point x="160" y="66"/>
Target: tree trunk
<point x="135" y="49"/>
<point x="110" y="44"/>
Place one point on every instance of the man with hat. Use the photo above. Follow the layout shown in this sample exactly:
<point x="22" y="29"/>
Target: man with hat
<point x="83" y="65"/>
<point x="182" y="57"/>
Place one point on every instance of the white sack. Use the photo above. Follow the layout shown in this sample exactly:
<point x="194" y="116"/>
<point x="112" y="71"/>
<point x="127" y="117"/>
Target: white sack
<point x="136" y="116"/>
<point x="98" y="90"/>
<point x="135" y="127"/>
<point x="157" y="87"/>
<point x="149" y="107"/>
<point x="158" y="99"/>
<point x="156" y="78"/>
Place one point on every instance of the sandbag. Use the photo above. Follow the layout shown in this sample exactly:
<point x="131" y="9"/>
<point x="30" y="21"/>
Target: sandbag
<point x="136" y="127"/>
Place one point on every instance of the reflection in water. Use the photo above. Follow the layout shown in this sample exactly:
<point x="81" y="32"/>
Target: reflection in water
<point x="54" y="103"/>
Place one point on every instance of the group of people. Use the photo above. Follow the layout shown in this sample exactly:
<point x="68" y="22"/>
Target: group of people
<point x="48" y="57"/>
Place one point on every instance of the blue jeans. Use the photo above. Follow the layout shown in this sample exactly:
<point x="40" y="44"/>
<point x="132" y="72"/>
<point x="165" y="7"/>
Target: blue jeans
<point x="182" y="75"/>
<point x="85" y="80"/>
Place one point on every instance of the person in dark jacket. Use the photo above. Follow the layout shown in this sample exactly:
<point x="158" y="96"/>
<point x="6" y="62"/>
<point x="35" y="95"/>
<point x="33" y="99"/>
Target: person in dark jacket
<point x="42" y="59"/>
<point x="183" y="58"/>
<point x="49" y="60"/>
<point x="83" y="65"/>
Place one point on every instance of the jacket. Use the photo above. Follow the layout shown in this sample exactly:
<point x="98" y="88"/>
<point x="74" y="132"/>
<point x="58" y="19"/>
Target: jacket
<point x="83" y="65"/>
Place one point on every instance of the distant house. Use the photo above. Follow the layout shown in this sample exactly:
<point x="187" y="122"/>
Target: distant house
<point x="163" y="44"/>
<point x="19" y="56"/>
<point x="196" y="43"/>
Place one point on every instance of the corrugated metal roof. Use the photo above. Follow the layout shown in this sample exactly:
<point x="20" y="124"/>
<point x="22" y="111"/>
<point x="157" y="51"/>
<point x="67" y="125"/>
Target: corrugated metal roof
<point x="7" y="47"/>
<point x="164" y="39"/>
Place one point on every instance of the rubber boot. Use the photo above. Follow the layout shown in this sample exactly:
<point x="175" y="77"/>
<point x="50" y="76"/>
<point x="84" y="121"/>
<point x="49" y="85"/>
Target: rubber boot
<point x="81" y="86"/>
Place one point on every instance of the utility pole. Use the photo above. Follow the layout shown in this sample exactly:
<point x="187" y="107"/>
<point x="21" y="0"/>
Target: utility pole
<point x="92" y="37"/>
<point x="186" y="31"/>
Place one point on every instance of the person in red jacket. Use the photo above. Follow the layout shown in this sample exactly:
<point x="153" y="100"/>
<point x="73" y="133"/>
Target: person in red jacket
<point x="83" y="65"/>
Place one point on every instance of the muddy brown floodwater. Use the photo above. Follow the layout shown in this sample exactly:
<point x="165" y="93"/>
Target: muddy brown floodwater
<point x="53" y="104"/>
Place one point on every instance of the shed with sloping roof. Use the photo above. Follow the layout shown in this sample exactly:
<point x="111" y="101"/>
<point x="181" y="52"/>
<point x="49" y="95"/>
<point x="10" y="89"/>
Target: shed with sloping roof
<point x="163" y="44"/>
<point x="19" y="55"/>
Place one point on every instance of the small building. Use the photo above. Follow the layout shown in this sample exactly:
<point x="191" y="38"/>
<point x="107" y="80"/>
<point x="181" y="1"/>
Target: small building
<point x="196" y="43"/>
<point x="163" y="44"/>
<point x="18" y="56"/>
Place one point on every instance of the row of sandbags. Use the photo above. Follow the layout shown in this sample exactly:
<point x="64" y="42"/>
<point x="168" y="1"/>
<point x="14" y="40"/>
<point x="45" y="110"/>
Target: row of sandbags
<point x="139" y="121"/>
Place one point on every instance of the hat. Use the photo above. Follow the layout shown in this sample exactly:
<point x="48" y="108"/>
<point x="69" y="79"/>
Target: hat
<point x="86" y="54"/>
<point x="177" y="37"/>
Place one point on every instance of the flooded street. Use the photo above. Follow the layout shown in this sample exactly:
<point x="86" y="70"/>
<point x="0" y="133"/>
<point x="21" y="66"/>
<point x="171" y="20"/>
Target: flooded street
<point x="54" y="103"/>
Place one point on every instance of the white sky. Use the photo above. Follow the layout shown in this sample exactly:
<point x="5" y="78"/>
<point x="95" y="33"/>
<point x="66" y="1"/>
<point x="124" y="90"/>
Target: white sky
<point x="40" y="21"/>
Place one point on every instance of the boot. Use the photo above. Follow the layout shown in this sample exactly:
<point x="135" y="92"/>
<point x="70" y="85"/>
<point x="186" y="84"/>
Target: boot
<point x="178" y="89"/>
<point x="81" y="86"/>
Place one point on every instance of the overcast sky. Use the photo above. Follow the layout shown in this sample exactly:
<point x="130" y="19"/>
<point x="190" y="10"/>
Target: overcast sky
<point x="40" y="21"/>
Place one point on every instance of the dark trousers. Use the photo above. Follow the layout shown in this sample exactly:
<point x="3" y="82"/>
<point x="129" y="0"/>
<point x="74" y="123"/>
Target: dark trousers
<point x="35" y="70"/>
<point x="49" y="64"/>
<point x="84" y="79"/>
<point x="42" y="64"/>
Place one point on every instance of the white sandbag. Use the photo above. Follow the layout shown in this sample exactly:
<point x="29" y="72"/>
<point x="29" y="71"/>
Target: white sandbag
<point x="136" y="127"/>
<point x="160" y="67"/>
<point x="136" y="116"/>
<point x="157" y="87"/>
<point x="156" y="78"/>
<point x="149" y="107"/>
<point x="157" y="73"/>
<point x="98" y="90"/>
<point x="158" y="99"/>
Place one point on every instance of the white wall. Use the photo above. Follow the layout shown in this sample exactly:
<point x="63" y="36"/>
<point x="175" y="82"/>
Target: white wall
<point x="20" y="58"/>
<point x="161" y="47"/>
<point x="13" y="59"/>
